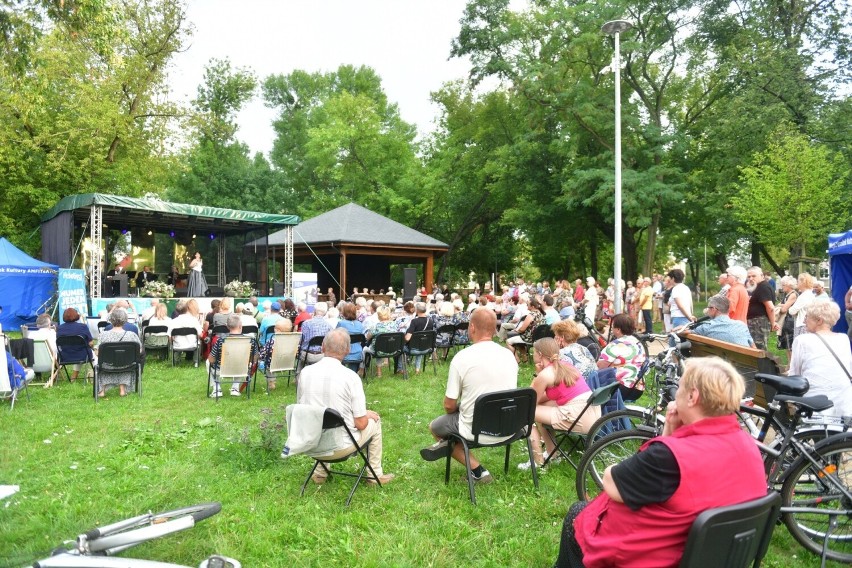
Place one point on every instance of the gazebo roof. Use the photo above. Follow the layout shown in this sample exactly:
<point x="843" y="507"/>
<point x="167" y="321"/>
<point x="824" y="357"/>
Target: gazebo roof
<point x="353" y="224"/>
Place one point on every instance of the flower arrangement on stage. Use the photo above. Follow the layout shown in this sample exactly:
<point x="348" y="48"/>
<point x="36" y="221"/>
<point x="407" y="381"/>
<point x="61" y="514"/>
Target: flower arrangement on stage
<point x="159" y="289"/>
<point x="239" y="289"/>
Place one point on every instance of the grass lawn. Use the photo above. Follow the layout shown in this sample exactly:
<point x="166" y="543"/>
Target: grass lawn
<point x="81" y="464"/>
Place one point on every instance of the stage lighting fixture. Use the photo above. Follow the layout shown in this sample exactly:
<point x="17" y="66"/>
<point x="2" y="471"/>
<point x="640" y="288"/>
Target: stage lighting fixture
<point x="172" y="234"/>
<point x="212" y="236"/>
<point x="150" y="233"/>
<point x="124" y="231"/>
<point x="193" y="235"/>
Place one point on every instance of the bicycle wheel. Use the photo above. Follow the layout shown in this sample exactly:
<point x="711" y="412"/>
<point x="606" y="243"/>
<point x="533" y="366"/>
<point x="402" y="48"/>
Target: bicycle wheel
<point x="812" y="488"/>
<point x="122" y="535"/>
<point x="607" y="451"/>
<point x="619" y="420"/>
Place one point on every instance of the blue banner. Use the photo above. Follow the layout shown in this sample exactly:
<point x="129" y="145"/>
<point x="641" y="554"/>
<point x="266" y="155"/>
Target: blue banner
<point x="72" y="291"/>
<point x="305" y="289"/>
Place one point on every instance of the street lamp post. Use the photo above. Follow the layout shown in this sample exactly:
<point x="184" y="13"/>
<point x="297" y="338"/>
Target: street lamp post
<point x="615" y="28"/>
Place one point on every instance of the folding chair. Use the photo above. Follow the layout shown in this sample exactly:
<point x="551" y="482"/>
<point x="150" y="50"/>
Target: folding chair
<point x="250" y="330"/>
<point x="598" y="397"/>
<point x="219" y="330"/>
<point x="183" y="331"/>
<point x="444" y="330"/>
<point x="387" y="345"/>
<point x="102" y="325"/>
<point x="7" y="391"/>
<point x="461" y="326"/>
<point x="355" y="339"/>
<point x="63" y="343"/>
<point x="156" y="338"/>
<point x="421" y="343"/>
<point x="45" y="362"/>
<point x="119" y="356"/>
<point x="302" y="358"/>
<point x="736" y="536"/>
<point x="332" y="419"/>
<point x="234" y="363"/>
<point x="503" y="413"/>
<point x="283" y="356"/>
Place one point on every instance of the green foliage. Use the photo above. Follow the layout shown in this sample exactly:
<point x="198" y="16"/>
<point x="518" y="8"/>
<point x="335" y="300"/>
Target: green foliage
<point x="792" y="192"/>
<point x="81" y="107"/>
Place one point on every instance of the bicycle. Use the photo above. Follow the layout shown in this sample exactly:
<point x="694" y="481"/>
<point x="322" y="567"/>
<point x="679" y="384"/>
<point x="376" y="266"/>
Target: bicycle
<point x="95" y="548"/>
<point x="804" y="462"/>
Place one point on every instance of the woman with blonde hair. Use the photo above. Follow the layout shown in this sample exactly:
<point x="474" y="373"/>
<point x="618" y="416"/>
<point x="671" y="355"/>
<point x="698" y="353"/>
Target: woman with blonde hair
<point x="193" y="309"/>
<point x="805" y="284"/>
<point x="562" y="395"/>
<point x="568" y="335"/>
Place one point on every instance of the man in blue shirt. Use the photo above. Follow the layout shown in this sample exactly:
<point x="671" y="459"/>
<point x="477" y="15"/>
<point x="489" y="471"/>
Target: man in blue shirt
<point x="722" y="327"/>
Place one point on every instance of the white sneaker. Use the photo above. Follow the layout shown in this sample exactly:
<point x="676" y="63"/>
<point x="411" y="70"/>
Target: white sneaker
<point x="525" y="466"/>
<point x="235" y="392"/>
<point x="216" y="393"/>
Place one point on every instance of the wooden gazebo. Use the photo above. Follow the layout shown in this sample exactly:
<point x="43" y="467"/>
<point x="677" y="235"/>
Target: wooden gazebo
<point x="353" y="246"/>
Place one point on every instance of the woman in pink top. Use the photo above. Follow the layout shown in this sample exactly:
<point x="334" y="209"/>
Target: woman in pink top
<point x="562" y="395"/>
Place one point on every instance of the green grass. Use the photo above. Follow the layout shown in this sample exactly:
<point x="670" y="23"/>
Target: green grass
<point x="81" y="464"/>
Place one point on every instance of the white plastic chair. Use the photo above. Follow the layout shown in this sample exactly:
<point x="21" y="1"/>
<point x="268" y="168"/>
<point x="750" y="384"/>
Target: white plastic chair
<point x="283" y="356"/>
<point x="234" y="363"/>
<point x="45" y="362"/>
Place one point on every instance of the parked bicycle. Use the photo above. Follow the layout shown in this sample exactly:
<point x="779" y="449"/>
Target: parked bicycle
<point x="95" y="548"/>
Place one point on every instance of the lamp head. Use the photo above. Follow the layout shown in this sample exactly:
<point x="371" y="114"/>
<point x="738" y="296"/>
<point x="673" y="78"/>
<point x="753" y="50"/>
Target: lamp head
<point x="616" y="27"/>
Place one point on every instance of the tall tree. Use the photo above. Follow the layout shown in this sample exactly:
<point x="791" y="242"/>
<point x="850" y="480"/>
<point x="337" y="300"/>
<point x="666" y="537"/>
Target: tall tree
<point x="83" y="107"/>
<point x="340" y="140"/>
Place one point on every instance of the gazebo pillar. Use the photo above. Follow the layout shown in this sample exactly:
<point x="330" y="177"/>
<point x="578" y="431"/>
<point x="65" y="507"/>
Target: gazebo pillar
<point x="427" y="276"/>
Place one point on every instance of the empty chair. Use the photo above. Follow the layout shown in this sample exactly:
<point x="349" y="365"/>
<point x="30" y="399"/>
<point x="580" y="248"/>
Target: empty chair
<point x="735" y="536"/>
<point x="118" y="361"/>
<point x="509" y="413"/>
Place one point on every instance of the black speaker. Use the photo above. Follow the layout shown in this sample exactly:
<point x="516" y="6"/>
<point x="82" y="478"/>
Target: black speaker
<point x="278" y="289"/>
<point x="409" y="279"/>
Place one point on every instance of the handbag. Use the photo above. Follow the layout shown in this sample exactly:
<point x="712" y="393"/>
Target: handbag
<point x="836" y="358"/>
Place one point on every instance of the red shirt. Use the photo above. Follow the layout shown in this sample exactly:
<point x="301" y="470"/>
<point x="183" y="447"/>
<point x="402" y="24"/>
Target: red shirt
<point x="738" y="297"/>
<point x="303" y="316"/>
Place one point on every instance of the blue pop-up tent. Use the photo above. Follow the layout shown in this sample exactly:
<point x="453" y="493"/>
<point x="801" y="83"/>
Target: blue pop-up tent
<point x="26" y="284"/>
<point x="840" y="259"/>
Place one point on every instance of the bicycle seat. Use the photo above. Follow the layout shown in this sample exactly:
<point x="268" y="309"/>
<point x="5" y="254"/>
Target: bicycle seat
<point x="793" y="386"/>
<point x="807" y="405"/>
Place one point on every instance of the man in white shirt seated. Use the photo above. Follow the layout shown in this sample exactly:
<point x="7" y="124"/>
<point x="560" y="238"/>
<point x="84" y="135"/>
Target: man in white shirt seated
<point x="328" y="383"/>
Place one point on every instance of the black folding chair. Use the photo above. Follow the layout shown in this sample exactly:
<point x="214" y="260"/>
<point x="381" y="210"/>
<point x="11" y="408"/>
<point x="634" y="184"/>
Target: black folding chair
<point x="302" y="359"/>
<point x="422" y="343"/>
<point x="101" y="326"/>
<point x="66" y="342"/>
<point x="181" y="331"/>
<point x="252" y="330"/>
<point x="447" y="329"/>
<point x="599" y="396"/>
<point x="387" y="345"/>
<point x="220" y="330"/>
<point x="458" y="343"/>
<point x="119" y="356"/>
<point x="736" y="536"/>
<point x="157" y="342"/>
<point x="356" y="339"/>
<point x="508" y="413"/>
<point x="332" y="419"/>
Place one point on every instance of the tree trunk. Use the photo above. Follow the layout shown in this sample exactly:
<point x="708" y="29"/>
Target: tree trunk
<point x="770" y="260"/>
<point x="755" y="252"/>
<point x="630" y="254"/>
<point x="693" y="271"/>
<point x="721" y="261"/>
<point x="593" y="253"/>
<point x="651" y="248"/>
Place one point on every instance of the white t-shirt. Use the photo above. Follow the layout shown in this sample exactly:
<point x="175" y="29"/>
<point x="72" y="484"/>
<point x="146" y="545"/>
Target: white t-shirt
<point x="328" y="383"/>
<point x="812" y="360"/>
<point x="592" y="299"/>
<point x="482" y="368"/>
<point x="185" y="341"/>
<point x="680" y="291"/>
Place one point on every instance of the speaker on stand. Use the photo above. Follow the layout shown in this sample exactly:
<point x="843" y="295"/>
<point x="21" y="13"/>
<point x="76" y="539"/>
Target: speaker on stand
<point x="409" y="287"/>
